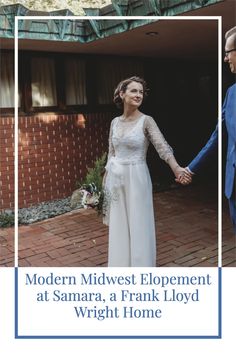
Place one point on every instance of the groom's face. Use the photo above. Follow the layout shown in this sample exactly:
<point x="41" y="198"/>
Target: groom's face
<point x="231" y="56"/>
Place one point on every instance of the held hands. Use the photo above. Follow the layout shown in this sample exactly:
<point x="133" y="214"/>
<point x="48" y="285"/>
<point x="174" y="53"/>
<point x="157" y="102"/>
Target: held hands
<point x="183" y="175"/>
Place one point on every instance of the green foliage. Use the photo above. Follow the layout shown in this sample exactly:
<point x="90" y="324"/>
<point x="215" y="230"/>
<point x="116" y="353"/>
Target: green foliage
<point x="95" y="173"/>
<point x="95" y="177"/>
<point x="6" y="220"/>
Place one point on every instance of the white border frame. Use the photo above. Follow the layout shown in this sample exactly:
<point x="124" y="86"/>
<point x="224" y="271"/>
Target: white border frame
<point x="163" y="18"/>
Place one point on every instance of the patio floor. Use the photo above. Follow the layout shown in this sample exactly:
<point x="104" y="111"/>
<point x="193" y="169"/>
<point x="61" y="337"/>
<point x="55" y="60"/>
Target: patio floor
<point x="186" y="224"/>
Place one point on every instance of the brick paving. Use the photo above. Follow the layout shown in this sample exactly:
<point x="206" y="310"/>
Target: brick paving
<point x="186" y="225"/>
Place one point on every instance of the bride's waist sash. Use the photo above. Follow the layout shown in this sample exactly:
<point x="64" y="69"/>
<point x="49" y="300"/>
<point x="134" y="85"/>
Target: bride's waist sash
<point x="130" y="161"/>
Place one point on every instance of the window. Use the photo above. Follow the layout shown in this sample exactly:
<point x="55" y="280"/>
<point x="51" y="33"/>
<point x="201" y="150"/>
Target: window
<point x="43" y="83"/>
<point x="58" y="82"/>
<point x="7" y="80"/>
<point x="75" y="81"/>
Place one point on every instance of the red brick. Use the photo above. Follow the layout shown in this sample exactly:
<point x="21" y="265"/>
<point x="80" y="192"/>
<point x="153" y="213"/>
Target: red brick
<point x="44" y="138"/>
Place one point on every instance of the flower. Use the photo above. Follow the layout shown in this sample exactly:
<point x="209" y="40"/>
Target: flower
<point x="90" y="196"/>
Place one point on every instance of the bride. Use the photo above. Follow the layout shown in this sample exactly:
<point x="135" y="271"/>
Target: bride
<point x="128" y="203"/>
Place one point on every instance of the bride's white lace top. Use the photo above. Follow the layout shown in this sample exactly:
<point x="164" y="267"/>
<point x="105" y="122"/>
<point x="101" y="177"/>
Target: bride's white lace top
<point x="128" y="144"/>
<point x="129" y="140"/>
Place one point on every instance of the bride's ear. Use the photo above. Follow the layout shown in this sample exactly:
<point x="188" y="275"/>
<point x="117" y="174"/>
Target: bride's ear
<point x="121" y="93"/>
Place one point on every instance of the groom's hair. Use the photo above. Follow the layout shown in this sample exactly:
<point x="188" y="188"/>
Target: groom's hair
<point x="231" y="32"/>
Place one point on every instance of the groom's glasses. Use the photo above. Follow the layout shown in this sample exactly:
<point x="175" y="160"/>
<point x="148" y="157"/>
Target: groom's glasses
<point x="229" y="51"/>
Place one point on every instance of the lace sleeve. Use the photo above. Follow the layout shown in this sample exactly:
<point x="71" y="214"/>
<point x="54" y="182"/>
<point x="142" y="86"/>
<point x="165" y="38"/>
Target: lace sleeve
<point x="154" y="134"/>
<point x="111" y="150"/>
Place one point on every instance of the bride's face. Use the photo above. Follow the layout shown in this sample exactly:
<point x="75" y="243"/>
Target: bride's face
<point x="133" y="95"/>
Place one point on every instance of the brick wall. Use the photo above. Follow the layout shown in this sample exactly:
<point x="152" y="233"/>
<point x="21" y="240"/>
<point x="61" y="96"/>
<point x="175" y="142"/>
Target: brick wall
<point x="54" y="152"/>
<point x="6" y="163"/>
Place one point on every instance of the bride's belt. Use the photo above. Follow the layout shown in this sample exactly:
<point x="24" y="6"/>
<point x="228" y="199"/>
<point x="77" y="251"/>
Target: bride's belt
<point x="121" y="161"/>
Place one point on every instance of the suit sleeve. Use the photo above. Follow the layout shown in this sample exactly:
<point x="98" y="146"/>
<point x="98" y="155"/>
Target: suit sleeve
<point x="205" y="153"/>
<point x="211" y="147"/>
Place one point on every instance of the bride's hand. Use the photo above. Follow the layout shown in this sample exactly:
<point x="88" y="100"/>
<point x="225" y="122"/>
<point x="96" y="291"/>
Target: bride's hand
<point x="183" y="176"/>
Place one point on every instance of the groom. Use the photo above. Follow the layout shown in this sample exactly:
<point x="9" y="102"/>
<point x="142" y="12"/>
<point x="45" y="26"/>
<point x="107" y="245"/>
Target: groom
<point x="228" y="124"/>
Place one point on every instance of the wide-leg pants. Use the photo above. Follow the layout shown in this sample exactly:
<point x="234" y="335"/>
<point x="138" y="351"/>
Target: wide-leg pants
<point x="132" y="240"/>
